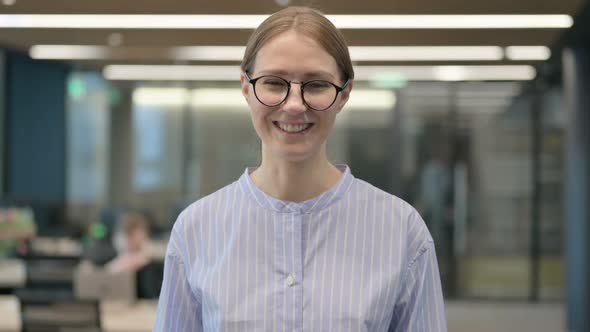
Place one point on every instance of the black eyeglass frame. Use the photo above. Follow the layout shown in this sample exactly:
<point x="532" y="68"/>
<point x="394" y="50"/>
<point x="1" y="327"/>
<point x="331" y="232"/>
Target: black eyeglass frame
<point x="303" y="84"/>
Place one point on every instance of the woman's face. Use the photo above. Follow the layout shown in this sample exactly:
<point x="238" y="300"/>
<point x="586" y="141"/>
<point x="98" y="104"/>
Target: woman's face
<point x="137" y="239"/>
<point x="293" y="57"/>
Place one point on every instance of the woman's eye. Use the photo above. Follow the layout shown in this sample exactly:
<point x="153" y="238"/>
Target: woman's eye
<point x="317" y="85"/>
<point x="273" y="82"/>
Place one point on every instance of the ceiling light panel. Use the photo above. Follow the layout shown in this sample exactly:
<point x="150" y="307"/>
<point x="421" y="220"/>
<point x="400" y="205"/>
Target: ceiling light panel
<point x="235" y="53"/>
<point x="83" y="21"/>
<point x="528" y="53"/>
<point x="362" y="73"/>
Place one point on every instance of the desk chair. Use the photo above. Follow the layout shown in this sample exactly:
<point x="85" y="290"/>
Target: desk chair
<point x="149" y="280"/>
<point x="47" y="301"/>
<point x="51" y="311"/>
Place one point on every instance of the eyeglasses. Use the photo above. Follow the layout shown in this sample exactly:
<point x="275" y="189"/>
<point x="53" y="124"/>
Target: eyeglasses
<point x="319" y="95"/>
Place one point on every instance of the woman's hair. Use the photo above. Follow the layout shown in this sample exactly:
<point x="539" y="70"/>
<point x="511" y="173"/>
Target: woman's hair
<point x="308" y="22"/>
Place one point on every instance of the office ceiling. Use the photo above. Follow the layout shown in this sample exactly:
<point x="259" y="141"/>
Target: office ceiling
<point x="156" y="41"/>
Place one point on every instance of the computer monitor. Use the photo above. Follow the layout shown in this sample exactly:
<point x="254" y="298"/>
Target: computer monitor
<point x="93" y="283"/>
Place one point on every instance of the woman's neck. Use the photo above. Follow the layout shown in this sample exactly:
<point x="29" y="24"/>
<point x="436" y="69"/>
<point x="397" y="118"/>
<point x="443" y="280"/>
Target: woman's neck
<point x="295" y="181"/>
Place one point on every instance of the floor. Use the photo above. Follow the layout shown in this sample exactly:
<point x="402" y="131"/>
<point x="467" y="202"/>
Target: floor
<point x="471" y="316"/>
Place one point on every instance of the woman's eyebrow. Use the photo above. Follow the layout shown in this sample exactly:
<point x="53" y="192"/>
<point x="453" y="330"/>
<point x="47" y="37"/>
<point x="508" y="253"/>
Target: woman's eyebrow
<point x="314" y="74"/>
<point x="319" y="74"/>
<point x="281" y="73"/>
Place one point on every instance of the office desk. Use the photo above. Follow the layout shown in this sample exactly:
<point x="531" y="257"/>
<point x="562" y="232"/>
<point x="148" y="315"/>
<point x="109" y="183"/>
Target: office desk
<point x="121" y="317"/>
<point x="47" y="247"/>
<point x="10" y="313"/>
<point x="13" y="273"/>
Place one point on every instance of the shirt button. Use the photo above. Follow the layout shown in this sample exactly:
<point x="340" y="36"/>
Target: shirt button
<point x="290" y="280"/>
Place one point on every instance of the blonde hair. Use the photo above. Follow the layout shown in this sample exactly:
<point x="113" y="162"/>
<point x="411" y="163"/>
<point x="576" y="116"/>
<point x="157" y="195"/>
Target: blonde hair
<point x="308" y="22"/>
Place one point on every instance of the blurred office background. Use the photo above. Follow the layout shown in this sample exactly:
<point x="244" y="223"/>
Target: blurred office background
<point x="480" y="122"/>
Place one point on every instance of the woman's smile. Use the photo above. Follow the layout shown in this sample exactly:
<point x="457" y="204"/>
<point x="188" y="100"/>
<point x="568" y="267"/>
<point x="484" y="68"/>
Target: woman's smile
<point x="290" y="129"/>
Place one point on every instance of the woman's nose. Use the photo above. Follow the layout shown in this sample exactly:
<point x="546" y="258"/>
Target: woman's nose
<point x="294" y="102"/>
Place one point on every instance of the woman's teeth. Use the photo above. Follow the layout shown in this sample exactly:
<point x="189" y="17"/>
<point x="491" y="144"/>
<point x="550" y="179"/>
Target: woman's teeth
<point x="293" y="128"/>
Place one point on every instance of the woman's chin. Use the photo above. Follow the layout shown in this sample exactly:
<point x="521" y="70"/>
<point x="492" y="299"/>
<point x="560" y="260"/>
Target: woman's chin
<point x="294" y="154"/>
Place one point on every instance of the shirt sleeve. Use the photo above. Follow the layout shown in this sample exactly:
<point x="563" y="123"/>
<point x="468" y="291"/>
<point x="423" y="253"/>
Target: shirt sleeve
<point x="178" y="307"/>
<point x="421" y="304"/>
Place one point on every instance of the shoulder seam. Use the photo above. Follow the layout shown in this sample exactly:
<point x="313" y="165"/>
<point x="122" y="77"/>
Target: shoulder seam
<point x="182" y="268"/>
<point x="423" y="249"/>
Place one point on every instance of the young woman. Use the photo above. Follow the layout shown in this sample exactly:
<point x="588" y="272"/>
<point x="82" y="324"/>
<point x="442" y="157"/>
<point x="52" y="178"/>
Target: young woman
<point x="297" y="243"/>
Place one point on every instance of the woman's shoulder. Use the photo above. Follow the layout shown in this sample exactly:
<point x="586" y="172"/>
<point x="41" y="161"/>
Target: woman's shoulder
<point x="199" y="213"/>
<point x="206" y="205"/>
<point x="382" y="198"/>
<point x="399" y="212"/>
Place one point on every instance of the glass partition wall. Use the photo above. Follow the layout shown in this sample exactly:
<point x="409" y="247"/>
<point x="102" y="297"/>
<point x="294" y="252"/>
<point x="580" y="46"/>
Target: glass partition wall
<point x="461" y="153"/>
<point x="467" y="165"/>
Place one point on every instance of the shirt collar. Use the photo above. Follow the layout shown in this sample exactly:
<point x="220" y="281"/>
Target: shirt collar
<point x="315" y="204"/>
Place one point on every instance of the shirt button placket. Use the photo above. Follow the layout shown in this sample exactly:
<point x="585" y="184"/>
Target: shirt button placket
<point x="298" y="270"/>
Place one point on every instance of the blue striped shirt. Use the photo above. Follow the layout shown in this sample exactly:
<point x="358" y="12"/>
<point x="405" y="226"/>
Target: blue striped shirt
<point x="354" y="258"/>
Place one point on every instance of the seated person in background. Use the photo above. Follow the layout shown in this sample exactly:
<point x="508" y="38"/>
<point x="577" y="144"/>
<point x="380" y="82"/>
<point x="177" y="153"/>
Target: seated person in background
<point x="131" y="241"/>
<point x="98" y="247"/>
<point x="17" y="228"/>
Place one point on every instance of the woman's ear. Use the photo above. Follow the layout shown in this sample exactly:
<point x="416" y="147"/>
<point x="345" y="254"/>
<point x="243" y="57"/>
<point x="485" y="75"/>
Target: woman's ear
<point x="344" y="95"/>
<point x="245" y="86"/>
